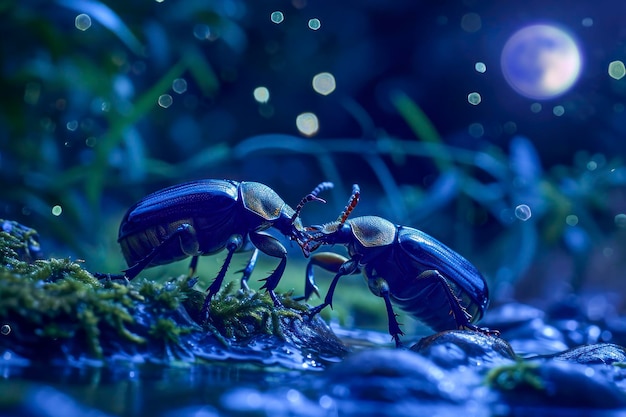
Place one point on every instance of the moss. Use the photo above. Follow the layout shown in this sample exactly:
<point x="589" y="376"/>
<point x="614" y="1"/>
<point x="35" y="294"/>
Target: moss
<point x="55" y="308"/>
<point x="242" y="314"/>
<point x="514" y="377"/>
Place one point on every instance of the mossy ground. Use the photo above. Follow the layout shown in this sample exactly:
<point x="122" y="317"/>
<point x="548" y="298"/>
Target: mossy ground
<point x="55" y="308"/>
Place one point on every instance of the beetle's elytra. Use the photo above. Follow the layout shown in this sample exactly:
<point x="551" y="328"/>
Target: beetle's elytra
<point x="404" y="266"/>
<point x="204" y="217"/>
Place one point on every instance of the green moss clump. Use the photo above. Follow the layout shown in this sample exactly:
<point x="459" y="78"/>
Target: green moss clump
<point x="240" y="314"/>
<point x="517" y="376"/>
<point x="56" y="309"/>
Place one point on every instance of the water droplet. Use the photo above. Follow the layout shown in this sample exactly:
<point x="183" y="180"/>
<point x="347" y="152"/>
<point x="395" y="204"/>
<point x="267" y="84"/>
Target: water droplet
<point x="535" y="107"/>
<point x="620" y="220"/>
<point x="471" y="22"/>
<point x="476" y="130"/>
<point x="57" y="210"/>
<point x="261" y="94"/>
<point x="474" y="98"/>
<point x="324" y="83"/>
<point x="165" y="100"/>
<point x="307" y="124"/>
<point x="315" y="24"/>
<point x="91" y="141"/>
<point x="480" y="67"/>
<point x="617" y="70"/>
<point x="558" y="111"/>
<point x="179" y="85"/>
<point x="5" y="329"/>
<point x="72" y="125"/>
<point x="201" y="32"/>
<point x="277" y="17"/>
<point x="523" y="212"/>
<point x="571" y="220"/>
<point x="82" y="22"/>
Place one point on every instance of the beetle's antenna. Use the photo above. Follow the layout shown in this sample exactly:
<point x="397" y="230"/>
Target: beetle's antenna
<point x="352" y="202"/>
<point x="312" y="196"/>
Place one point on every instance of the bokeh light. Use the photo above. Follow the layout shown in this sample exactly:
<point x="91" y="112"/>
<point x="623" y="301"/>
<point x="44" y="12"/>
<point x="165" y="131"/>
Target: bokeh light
<point x="314" y="24"/>
<point x="523" y="212"/>
<point x="82" y="22"/>
<point x="179" y="85"/>
<point x="324" y="83"/>
<point x="165" y="100"/>
<point x="617" y="70"/>
<point x="261" y="94"/>
<point x="474" y="98"/>
<point x="541" y="61"/>
<point x="277" y="17"/>
<point x="307" y="124"/>
<point x="480" y="67"/>
<point x="471" y="22"/>
<point x="5" y="329"/>
<point x="57" y="210"/>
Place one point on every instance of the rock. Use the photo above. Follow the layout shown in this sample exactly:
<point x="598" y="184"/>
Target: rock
<point x="454" y="348"/>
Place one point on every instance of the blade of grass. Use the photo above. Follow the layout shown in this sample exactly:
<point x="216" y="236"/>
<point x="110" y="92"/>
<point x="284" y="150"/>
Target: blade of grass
<point x="421" y="126"/>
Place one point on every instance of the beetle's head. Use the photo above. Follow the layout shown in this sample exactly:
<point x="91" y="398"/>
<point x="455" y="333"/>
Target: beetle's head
<point x="290" y="223"/>
<point x="332" y="233"/>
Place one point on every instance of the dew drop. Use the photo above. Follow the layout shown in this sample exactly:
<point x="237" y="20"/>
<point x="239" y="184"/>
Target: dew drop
<point x="82" y="22"/>
<point x="523" y="212"/>
<point x="179" y="85"/>
<point x="307" y="124"/>
<point x="314" y="24"/>
<point x="571" y="220"/>
<point x="474" y="98"/>
<point x="324" y="83"/>
<point x="480" y="67"/>
<point x="57" y="210"/>
<point x="5" y="329"/>
<point x="277" y="17"/>
<point x="617" y="70"/>
<point x="165" y="100"/>
<point x="261" y="94"/>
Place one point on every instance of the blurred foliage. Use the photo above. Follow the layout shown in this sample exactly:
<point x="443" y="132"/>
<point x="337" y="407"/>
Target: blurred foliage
<point x="81" y="128"/>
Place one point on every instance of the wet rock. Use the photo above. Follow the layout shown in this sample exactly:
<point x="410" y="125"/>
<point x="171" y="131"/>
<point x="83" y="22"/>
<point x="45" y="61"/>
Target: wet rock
<point x="454" y="348"/>
<point x="392" y="375"/>
<point x="558" y="385"/>
<point x="601" y="353"/>
<point x="510" y="315"/>
<point x="535" y="337"/>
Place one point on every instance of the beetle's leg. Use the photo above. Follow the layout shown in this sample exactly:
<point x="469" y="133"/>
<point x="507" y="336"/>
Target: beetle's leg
<point x="188" y="244"/>
<point x="327" y="260"/>
<point x="233" y="244"/>
<point x="346" y="268"/>
<point x="382" y="289"/>
<point x="247" y="271"/>
<point x="193" y="265"/>
<point x="462" y="318"/>
<point x="269" y="245"/>
<point x="110" y="277"/>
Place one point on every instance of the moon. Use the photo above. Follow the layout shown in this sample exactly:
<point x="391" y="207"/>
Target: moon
<point x="541" y="61"/>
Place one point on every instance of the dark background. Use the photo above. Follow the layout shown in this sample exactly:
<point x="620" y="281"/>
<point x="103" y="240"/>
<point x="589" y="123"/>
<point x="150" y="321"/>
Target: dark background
<point x="80" y="126"/>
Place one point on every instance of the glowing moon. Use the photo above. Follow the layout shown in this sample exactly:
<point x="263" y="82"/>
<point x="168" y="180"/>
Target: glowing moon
<point x="541" y="61"/>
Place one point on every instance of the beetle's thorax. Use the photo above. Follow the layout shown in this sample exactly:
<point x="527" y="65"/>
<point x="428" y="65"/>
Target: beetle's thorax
<point x="263" y="208"/>
<point x="373" y="231"/>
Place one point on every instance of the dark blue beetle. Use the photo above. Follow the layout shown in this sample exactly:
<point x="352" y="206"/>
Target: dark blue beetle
<point x="402" y="265"/>
<point x="206" y="216"/>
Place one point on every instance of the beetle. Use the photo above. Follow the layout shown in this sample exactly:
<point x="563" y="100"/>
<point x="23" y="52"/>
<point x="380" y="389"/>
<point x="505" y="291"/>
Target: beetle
<point x="404" y="266"/>
<point x="204" y="217"/>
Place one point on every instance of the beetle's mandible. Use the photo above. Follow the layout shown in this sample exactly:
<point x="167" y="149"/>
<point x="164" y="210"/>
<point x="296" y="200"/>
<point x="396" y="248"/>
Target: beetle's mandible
<point x="205" y="217"/>
<point x="404" y="266"/>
